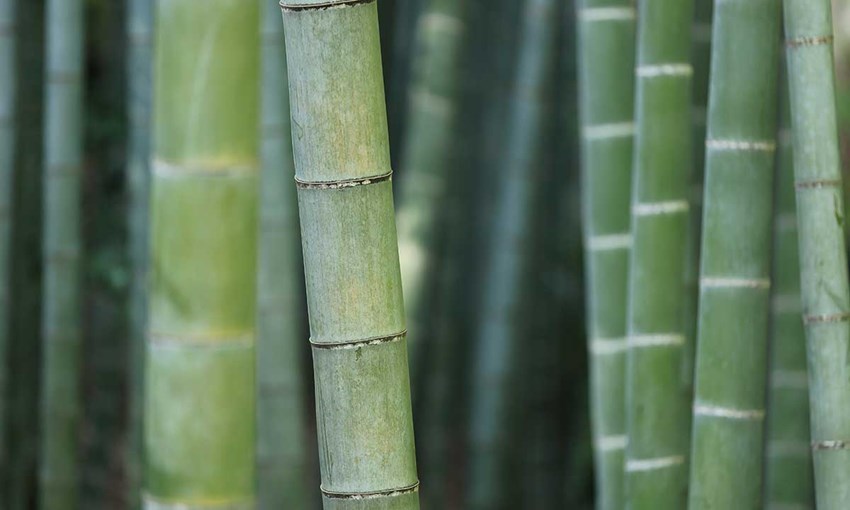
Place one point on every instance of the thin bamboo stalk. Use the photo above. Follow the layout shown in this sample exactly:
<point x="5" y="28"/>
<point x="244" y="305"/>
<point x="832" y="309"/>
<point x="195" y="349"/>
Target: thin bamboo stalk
<point x="606" y="81"/>
<point x="200" y="376"/>
<point x="139" y="75"/>
<point x="657" y="397"/>
<point x="729" y="404"/>
<point x="823" y="256"/>
<point x="788" y="471"/>
<point x="281" y="460"/>
<point x="354" y="294"/>
<point x="61" y="324"/>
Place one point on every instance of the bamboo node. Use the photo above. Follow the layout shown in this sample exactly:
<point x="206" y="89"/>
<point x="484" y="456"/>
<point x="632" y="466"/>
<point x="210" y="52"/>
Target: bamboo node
<point x="664" y="70"/>
<point x="355" y="344"/>
<point x="440" y="21"/>
<point x="836" y="444"/>
<point x="609" y="242"/>
<point x="826" y="318"/>
<point x="637" y="465"/>
<point x="389" y="493"/>
<point x="659" y="208"/>
<point x="343" y="183"/>
<point x="608" y="131"/>
<point x="611" y="443"/>
<point x="320" y="6"/>
<point x="796" y="42"/>
<point x="661" y="340"/>
<point x="734" y="283"/>
<point x="153" y="503"/>
<point x="608" y="346"/>
<point x="728" y="412"/>
<point x="595" y="14"/>
<point x="741" y="145"/>
<point x="818" y="184"/>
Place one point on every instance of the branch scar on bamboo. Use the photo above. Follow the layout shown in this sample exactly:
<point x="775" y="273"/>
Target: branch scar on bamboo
<point x="357" y="496"/>
<point x="596" y="14"/>
<point x="609" y="131"/>
<point x="660" y="208"/>
<point x="609" y="242"/>
<point x="664" y="70"/>
<point x="637" y="465"/>
<point x="343" y="183"/>
<point x="741" y="145"/>
<point x="734" y="283"/>
<point x="728" y="412"/>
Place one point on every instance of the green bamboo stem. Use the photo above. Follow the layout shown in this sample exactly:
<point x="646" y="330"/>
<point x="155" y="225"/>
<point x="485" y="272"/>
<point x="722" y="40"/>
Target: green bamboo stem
<point x="8" y="27"/>
<point x="199" y="384"/>
<point x="606" y="73"/>
<point x="139" y="68"/>
<point x="788" y="470"/>
<point x="729" y="403"/>
<point x="354" y="294"/>
<point x="496" y="346"/>
<point x="823" y="257"/>
<point x="657" y="397"/>
<point x="281" y="461"/>
<point x="61" y="325"/>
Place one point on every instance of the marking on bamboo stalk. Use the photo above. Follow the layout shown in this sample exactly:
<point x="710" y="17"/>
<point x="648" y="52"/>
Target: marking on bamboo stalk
<point x="320" y="6"/>
<point x="609" y="131"/>
<point x="789" y="379"/>
<point x="159" y="340"/>
<point x="701" y="32"/>
<point x="835" y="444"/>
<point x="607" y="444"/>
<point x="734" y="283"/>
<point x="786" y="303"/>
<point x="785" y="448"/>
<point x="659" y="208"/>
<point x="153" y="503"/>
<point x="389" y="493"/>
<point x="638" y="465"/>
<point x="608" y="346"/>
<point x="169" y="170"/>
<point x="825" y="183"/>
<point x="664" y="70"/>
<point x="741" y="145"/>
<point x="826" y="318"/>
<point x="427" y="100"/>
<point x="344" y="183"/>
<point x="609" y="242"/>
<point x="728" y="412"/>
<point x="660" y="340"/>
<point x="797" y="42"/>
<point x="786" y="222"/>
<point x="595" y="14"/>
<point x="355" y="344"/>
<point x="440" y="21"/>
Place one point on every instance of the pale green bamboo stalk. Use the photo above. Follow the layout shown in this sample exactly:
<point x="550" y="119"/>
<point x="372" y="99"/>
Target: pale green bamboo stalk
<point x="606" y="55"/>
<point x="200" y="388"/>
<point x="354" y="294"/>
<point x="823" y="256"/>
<point x="139" y="26"/>
<point x="61" y="321"/>
<point x="8" y="35"/>
<point x="657" y="397"/>
<point x="281" y="461"/>
<point x="788" y="470"/>
<point x="729" y="404"/>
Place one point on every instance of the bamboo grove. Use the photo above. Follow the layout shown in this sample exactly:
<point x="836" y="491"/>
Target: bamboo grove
<point x="403" y="254"/>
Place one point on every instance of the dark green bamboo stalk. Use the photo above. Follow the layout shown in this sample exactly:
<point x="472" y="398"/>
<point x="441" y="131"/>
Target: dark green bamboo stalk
<point x="281" y="458"/>
<point x="823" y="257"/>
<point x="729" y="404"/>
<point x="788" y="470"/>
<point x="657" y="397"/>
<point x="354" y="295"/>
<point x="139" y="68"/>
<point x="200" y="387"/>
<point x="606" y="74"/>
<point x="61" y="324"/>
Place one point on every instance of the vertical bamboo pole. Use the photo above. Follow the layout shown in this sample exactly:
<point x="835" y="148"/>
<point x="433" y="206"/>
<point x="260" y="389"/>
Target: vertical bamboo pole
<point x="823" y="256"/>
<point x="61" y="328"/>
<point x="281" y="457"/>
<point x="606" y="81"/>
<point x="657" y="398"/>
<point x="199" y="399"/>
<point x="729" y="404"/>
<point x="354" y="295"/>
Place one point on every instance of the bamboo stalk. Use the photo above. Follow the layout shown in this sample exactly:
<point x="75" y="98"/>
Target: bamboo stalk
<point x="61" y="324"/>
<point x="606" y="82"/>
<point x="657" y="398"/>
<point x="200" y="388"/>
<point x="788" y="470"/>
<point x="281" y="461"/>
<point x="729" y="404"/>
<point x="823" y="256"/>
<point x="354" y="294"/>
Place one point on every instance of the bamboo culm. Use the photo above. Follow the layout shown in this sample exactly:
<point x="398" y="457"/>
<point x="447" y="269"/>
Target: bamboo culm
<point x="657" y="397"/>
<point x="61" y="321"/>
<point x="281" y="461"/>
<point x="606" y="73"/>
<point x="823" y="255"/>
<point x="199" y="430"/>
<point x="788" y="457"/>
<point x="729" y="404"/>
<point x="353" y="280"/>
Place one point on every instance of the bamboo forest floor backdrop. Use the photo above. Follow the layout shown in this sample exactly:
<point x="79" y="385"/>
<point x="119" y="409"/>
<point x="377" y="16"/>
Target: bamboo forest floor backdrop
<point x="483" y="117"/>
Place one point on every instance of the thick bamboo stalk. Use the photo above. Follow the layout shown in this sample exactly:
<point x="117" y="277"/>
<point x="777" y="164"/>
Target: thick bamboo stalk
<point x="508" y="257"/>
<point x="656" y="395"/>
<point x="139" y="74"/>
<point x="200" y="391"/>
<point x="823" y="257"/>
<point x="281" y="461"/>
<point x="61" y="324"/>
<point x="606" y="55"/>
<point x="354" y="293"/>
<point x="788" y="471"/>
<point x="729" y="403"/>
